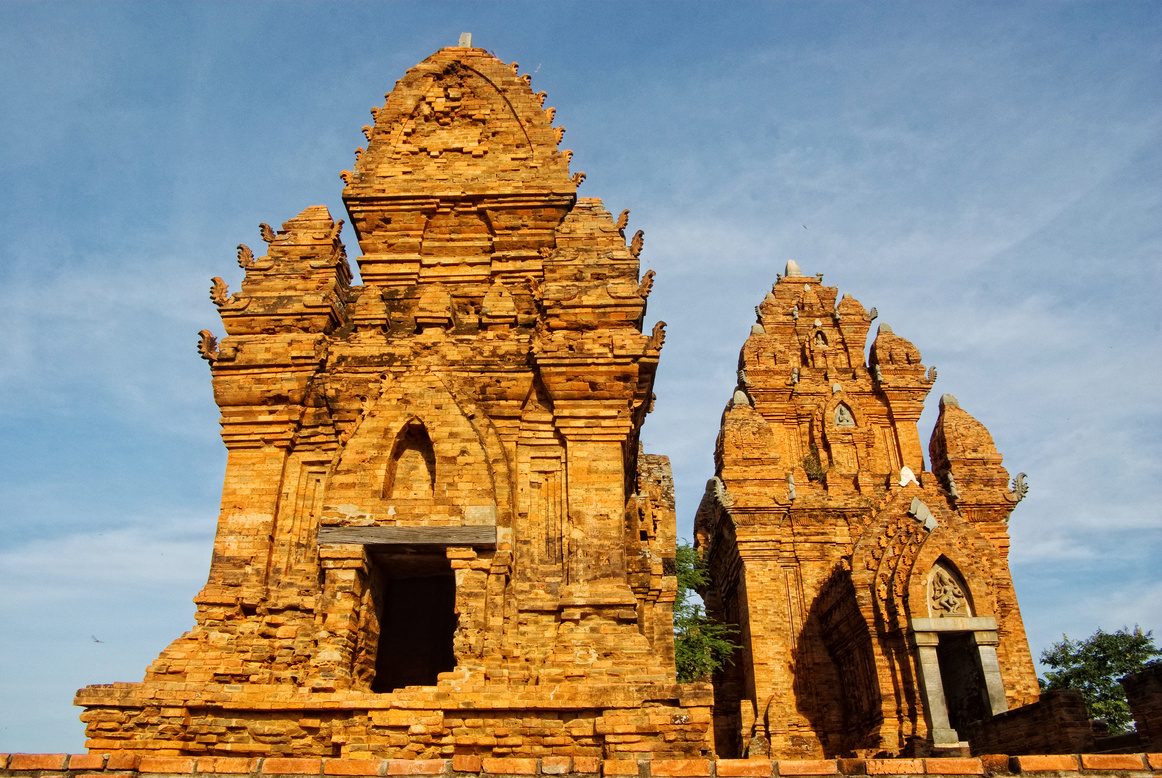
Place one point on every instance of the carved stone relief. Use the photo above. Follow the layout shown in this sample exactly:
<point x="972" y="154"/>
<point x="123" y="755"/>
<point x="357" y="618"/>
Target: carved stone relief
<point x="947" y="595"/>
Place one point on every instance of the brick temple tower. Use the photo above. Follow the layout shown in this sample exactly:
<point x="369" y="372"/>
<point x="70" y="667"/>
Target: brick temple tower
<point x="437" y="533"/>
<point x="873" y="597"/>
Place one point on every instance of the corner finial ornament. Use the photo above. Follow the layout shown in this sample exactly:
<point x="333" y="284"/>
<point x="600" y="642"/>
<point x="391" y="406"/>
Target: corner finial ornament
<point x="657" y="337"/>
<point x="1019" y="487"/>
<point x="647" y="283"/>
<point x="623" y="221"/>
<point x="635" y="245"/>
<point x="578" y="177"/>
<point x="245" y="256"/>
<point x="207" y="346"/>
<point x="219" y="292"/>
<point x="267" y="233"/>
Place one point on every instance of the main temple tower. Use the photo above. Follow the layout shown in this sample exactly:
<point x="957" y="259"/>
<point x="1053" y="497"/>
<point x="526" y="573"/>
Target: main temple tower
<point x="437" y="535"/>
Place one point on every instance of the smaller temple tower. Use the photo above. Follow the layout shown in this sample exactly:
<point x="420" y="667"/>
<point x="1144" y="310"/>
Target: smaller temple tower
<point x="874" y="603"/>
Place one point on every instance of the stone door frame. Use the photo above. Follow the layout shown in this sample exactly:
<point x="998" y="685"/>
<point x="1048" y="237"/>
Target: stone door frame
<point x="924" y="636"/>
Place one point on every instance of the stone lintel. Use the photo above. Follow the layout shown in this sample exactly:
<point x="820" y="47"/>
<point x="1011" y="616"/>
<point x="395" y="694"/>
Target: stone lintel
<point x="953" y="624"/>
<point x="478" y="536"/>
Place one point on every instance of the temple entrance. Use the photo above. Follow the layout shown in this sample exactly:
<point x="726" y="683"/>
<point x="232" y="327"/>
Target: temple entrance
<point x="416" y="602"/>
<point x="963" y="680"/>
<point x="959" y="674"/>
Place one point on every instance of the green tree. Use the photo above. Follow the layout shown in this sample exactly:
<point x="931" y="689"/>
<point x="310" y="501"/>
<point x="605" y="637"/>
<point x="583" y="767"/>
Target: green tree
<point x="701" y="645"/>
<point x="1093" y="667"/>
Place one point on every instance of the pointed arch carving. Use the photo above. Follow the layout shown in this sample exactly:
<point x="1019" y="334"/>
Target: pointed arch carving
<point x="965" y="557"/>
<point x="411" y="470"/>
<point x="420" y="457"/>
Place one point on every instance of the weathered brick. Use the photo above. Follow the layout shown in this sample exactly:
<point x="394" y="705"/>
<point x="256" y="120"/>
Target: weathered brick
<point x="122" y="760"/>
<point x="351" y="767"/>
<point x="894" y="767"/>
<point x="37" y="761"/>
<point x="510" y="766"/>
<point x="679" y="767"/>
<point x="619" y="767"/>
<point x="556" y="765"/>
<point x="165" y="765"/>
<point x="417" y="767"/>
<point x="467" y="763"/>
<point x="806" y="767"/>
<point x="743" y="768"/>
<point x="227" y="765"/>
<point x="587" y="764"/>
<point x="86" y="761"/>
<point x="1112" y="762"/>
<point x="1044" y="763"/>
<point x="953" y="766"/>
<point x="277" y="765"/>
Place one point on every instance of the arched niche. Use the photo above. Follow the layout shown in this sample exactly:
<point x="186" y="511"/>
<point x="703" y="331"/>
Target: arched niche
<point x="417" y="459"/>
<point x="843" y="414"/>
<point x="411" y="470"/>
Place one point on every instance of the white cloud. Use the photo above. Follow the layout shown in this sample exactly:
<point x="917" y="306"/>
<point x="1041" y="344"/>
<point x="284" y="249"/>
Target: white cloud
<point x="129" y="588"/>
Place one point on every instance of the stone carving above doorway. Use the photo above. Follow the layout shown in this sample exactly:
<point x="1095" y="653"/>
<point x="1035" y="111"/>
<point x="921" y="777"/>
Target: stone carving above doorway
<point x="947" y="594"/>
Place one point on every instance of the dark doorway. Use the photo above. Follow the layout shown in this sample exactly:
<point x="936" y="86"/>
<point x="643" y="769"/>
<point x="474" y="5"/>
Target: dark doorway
<point x="961" y="675"/>
<point x="416" y="600"/>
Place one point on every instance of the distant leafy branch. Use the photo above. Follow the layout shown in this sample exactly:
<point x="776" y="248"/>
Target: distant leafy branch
<point x="1093" y="667"/>
<point x="701" y="645"/>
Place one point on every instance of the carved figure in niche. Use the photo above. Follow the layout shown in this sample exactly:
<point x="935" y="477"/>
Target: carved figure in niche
<point x="843" y="417"/>
<point x="412" y="471"/>
<point x="947" y="597"/>
<point x="820" y="339"/>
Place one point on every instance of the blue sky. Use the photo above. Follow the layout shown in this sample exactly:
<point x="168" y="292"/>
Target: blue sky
<point x="988" y="175"/>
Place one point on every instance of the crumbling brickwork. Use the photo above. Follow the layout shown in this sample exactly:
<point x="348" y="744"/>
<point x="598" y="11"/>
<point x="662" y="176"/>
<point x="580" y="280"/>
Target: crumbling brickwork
<point x="874" y="604"/>
<point x="1144" y="694"/>
<point x="1058" y="723"/>
<point x="437" y="534"/>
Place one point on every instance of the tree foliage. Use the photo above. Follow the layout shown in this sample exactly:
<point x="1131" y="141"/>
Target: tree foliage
<point x="701" y="645"/>
<point x="1093" y="667"/>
